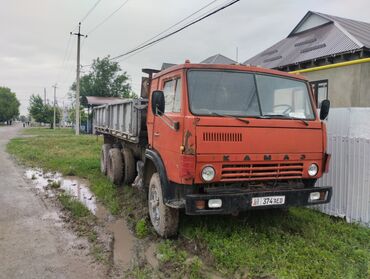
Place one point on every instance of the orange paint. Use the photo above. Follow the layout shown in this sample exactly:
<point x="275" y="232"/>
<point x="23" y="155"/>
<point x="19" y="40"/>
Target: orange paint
<point x="264" y="149"/>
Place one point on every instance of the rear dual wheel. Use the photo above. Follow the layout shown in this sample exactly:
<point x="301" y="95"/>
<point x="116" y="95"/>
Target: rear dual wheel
<point x="104" y="157"/>
<point x="115" y="166"/>
<point x="120" y="165"/>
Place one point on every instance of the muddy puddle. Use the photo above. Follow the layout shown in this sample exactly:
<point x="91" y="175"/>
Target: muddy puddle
<point x="50" y="182"/>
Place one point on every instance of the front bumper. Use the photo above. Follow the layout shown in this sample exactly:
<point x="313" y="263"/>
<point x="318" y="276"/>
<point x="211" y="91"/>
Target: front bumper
<point x="242" y="201"/>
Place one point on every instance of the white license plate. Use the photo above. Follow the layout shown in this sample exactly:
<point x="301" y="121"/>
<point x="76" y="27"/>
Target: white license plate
<point x="265" y="201"/>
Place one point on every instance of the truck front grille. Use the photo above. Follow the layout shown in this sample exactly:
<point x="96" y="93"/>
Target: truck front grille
<point x="259" y="172"/>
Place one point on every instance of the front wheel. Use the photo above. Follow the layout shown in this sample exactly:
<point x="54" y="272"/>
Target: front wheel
<point x="164" y="219"/>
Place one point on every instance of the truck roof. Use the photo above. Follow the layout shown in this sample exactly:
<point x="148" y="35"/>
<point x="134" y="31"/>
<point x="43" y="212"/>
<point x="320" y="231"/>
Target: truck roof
<point x="245" y="68"/>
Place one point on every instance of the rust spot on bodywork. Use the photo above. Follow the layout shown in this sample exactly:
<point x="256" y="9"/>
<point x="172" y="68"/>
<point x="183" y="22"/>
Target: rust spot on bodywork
<point x="189" y="150"/>
<point x="196" y="121"/>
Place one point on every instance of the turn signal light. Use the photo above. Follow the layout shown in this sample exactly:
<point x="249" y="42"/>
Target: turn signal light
<point x="200" y="204"/>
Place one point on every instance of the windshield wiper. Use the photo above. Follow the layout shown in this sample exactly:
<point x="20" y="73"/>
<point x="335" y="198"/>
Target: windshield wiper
<point x="284" y="116"/>
<point x="231" y="116"/>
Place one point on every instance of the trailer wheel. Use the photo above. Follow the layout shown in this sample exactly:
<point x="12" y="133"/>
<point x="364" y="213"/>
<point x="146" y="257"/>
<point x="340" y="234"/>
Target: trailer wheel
<point x="104" y="157"/>
<point x="164" y="219"/>
<point x="115" y="166"/>
<point x="128" y="166"/>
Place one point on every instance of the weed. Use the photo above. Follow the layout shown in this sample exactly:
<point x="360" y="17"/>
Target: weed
<point x="141" y="229"/>
<point x="76" y="208"/>
<point x="54" y="184"/>
<point x="139" y="273"/>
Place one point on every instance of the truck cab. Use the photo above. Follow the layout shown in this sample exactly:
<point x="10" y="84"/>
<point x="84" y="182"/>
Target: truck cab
<point x="229" y="138"/>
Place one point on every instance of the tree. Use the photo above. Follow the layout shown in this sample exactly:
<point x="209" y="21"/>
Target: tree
<point x="43" y="112"/>
<point x="105" y="79"/>
<point x="36" y="108"/>
<point x="9" y="105"/>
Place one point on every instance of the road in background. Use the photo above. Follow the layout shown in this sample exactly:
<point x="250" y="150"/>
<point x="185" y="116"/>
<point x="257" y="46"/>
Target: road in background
<point x="34" y="242"/>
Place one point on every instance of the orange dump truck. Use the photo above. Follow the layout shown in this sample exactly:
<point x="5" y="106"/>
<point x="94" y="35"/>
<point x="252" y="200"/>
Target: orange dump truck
<point x="216" y="139"/>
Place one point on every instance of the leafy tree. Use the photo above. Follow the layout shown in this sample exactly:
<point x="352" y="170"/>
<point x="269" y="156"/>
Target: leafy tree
<point x="36" y="108"/>
<point x="105" y="79"/>
<point x="9" y="105"/>
<point x="43" y="112"/>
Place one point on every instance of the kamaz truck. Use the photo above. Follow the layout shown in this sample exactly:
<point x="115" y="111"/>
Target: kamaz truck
<point x="216" y="139"/>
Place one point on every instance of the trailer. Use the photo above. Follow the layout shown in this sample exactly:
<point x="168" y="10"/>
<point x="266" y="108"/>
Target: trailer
<point x="216" y="139"/>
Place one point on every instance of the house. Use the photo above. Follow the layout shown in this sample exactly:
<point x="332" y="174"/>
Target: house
<point x="218" y="59"/>
<point x="332" y="52"/>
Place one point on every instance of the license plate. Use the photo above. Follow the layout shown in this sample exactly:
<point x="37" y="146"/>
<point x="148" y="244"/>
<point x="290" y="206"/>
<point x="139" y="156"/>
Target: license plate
<point x="265" y="201"/>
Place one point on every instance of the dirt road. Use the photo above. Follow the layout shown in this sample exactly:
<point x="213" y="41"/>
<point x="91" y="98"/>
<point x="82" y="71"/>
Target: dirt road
<point x="34" y="243"/>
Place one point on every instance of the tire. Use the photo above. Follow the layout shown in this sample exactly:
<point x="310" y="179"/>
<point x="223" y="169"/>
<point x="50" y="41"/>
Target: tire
<point x="104" y="157"/>
<point x="309" y="182"/>
<point x="115" y="166"/>
<point x="129" y="172"/>
<point x="164" y="219"/>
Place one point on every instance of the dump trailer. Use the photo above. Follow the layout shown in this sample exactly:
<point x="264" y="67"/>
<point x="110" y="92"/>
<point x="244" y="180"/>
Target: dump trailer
<point x="216" y="139"/>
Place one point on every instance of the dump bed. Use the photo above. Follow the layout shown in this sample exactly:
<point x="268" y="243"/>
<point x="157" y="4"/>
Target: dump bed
<point x="124" y="119"/>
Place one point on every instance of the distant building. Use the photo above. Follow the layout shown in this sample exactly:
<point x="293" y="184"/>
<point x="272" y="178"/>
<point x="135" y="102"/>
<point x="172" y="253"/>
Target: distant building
<point x="332" y="52"/>
<point x="218" y="59"/>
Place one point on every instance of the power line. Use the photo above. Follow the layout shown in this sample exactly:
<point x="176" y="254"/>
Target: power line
<point x="108" y="17"/>
<point x="176" y="31"/>
<point x="177" y="23"/>
<point x="64" y="57"/>
<point x="90" y="11"/>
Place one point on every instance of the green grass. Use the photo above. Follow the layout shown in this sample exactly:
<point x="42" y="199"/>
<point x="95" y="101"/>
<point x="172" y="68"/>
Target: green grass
<point x="141" y="228"/>
<point x="62" y="151"/>
<point x="174" y="258"/>
<point x="300" y="243"/>
<point x="77" y="209"/>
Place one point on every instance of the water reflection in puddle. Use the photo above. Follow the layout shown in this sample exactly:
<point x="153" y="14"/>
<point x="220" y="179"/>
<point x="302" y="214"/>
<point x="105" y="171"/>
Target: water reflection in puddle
<point x="74" y="186"/>
<point x="78" y="188"/>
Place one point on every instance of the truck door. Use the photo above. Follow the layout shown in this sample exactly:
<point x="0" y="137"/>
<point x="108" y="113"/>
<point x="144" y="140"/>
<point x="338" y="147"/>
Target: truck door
<point x="166" y="139"/>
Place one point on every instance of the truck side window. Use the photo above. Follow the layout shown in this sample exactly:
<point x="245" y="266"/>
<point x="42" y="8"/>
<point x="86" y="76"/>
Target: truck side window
<point x="172" y="95"/>
<point x="177" y="103"/>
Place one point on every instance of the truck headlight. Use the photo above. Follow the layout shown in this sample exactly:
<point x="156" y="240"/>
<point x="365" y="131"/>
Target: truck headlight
<point x="208" y="173"/>
<point x="312" y="170"/>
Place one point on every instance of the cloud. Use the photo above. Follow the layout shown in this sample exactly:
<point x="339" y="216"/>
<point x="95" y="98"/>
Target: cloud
<point x="35" y="34"/>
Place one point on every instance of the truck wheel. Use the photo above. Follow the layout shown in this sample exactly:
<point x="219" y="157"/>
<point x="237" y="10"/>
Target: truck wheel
<point x="104" y="157"/>
<point x="115" y="166"/>
<point x="128" y="166"/>
<point x="165" y="220"/>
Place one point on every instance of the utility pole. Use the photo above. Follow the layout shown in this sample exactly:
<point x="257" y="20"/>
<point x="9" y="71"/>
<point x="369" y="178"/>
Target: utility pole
<point x="78" y="79"/>
<point x="44" y="96"/>
<point x="55" y="99"/>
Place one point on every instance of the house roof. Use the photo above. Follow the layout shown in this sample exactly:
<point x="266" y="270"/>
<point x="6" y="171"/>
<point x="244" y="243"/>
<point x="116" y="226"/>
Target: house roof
<point x="317" y="35"/>
<point x="218" y="59"/>
<point x="97" y="101"/>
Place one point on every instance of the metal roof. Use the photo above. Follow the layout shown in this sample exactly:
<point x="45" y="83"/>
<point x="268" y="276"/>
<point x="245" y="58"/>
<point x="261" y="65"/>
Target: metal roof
<point x="313" y="38"/>
<point x="97" y="101"/>
<point x="218" y="59"/>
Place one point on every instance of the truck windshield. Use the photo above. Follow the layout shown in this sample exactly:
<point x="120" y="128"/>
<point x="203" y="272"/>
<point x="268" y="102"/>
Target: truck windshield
<point x="213" y="92"/>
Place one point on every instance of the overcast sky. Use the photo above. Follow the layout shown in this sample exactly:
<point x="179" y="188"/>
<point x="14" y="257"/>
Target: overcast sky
<point x="35" y="35"/>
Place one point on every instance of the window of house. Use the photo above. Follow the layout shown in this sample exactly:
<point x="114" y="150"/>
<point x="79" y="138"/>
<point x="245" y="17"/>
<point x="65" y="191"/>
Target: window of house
<point x="320" y="90"/>
<point x="172" y="95"/>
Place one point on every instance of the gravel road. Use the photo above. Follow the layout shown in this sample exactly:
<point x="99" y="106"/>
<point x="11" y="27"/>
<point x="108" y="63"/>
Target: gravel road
<point x="34" y="242"/>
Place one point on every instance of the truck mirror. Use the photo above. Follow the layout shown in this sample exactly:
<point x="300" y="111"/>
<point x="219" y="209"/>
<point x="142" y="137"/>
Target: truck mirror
<point x="324" y="110"/>
<point x="158" y="102"/>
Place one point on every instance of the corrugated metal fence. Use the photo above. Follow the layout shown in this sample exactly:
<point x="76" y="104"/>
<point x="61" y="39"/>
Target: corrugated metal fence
<point x="349" y="144"/>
